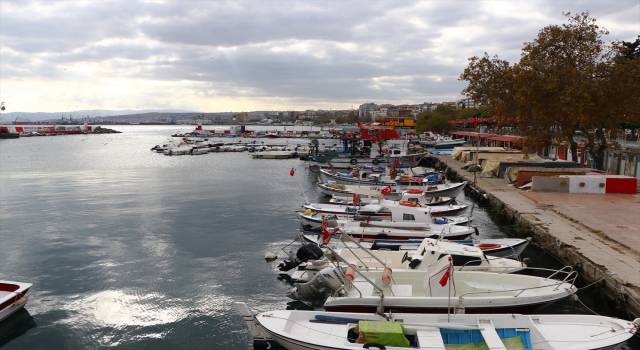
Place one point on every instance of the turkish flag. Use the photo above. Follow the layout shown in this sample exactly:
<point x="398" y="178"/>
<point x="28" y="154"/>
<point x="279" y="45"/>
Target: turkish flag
<point x="293" y="171"/>
<point x="396" y="163"/>
<point x="386" y="190"/>
<point x="445" y="277"/>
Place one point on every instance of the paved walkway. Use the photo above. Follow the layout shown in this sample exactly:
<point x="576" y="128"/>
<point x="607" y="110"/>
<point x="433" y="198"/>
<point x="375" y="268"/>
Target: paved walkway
<point x="604" y="228"/>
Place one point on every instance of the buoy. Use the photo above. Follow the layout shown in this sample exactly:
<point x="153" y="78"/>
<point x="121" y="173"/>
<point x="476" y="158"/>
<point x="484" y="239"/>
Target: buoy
<point x="307" y="212"/>
<point x="414" y="191"/>
<point x="270" y="256"/>
<point x="408" y="203"/>
<point x="349" y="274"/>
<point x="386" y="275"/>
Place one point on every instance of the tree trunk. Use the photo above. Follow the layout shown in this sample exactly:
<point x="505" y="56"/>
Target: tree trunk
<point x="599" y="152"/>
<point x="573" y="146"/>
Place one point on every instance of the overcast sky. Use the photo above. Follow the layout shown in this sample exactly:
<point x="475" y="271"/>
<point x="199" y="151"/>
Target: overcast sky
<point x="216" y="56"/>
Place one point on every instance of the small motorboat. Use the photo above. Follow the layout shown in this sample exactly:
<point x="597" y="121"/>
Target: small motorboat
<point x="401" y="230"/>
<point x="498" y="247"/>
<point x="13" y="297"/>
<point x="388" y="210"/>
<point x="465" y="258"/>
<point x="321" y="330"/>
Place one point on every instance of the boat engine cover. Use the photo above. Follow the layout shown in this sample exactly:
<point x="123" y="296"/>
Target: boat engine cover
<point x="309" y="251"/>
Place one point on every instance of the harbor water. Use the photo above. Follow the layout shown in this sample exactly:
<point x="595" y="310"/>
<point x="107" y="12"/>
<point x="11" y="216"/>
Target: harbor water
<point x="127" y="248"/>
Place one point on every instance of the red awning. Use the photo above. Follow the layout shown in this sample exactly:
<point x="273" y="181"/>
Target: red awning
<point x="504" y="138"/>
<point x="468" y="133"/>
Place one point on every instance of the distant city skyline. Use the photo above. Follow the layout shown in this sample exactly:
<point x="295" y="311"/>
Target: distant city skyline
<point x="216" y="56"/>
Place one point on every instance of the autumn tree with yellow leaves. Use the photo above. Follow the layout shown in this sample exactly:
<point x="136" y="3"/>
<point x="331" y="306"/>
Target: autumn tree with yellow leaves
<point x="567" y="79"/>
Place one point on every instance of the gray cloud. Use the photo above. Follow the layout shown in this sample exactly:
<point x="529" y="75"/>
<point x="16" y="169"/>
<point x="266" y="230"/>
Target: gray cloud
<point x="301" y="52"/>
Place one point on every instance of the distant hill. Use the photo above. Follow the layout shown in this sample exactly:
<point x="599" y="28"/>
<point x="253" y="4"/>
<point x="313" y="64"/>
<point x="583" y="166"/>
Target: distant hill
<point x="8" y="116"/>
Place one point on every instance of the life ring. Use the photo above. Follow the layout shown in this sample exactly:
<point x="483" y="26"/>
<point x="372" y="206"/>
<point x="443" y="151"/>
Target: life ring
<point x="373" y="139"/>
<point x="414" y="191"/>
<point x="353" y="161"/>
<point x="416" y="179"/>
<point x="486" y="246"/>
<point x="408" y="203"/>
<point x="375" y="162"/>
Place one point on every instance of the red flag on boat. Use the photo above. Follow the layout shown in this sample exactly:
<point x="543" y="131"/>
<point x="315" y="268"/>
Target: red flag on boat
<point x="396" y="163"/>
<point x="445" y="277"/>
<point x="293" y="171"/>
<point x="386" y="190"/>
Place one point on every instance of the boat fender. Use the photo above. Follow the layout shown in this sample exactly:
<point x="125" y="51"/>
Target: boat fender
<point x="353" y="161"/>
<point x="386" y="275"/>
<point x="309" y="251"/>
<point x="476" y="230"/>
<point x="374" y="345"/>
<point x="349" y="274"/>
<point x="375" y="162"/>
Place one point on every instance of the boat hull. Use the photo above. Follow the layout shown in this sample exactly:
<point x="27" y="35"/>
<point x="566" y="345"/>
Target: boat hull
<point x="13" y="297"/>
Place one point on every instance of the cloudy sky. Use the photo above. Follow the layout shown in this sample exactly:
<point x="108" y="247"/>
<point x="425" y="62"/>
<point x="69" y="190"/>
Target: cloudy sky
<point x="216" y="56"/>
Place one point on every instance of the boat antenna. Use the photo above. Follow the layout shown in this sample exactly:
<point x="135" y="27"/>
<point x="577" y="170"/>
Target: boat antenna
<point x="304" y="193"/>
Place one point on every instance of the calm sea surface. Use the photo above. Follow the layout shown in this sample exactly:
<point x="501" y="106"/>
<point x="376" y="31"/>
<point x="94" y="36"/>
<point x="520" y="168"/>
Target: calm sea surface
<point x="131" y="249"/>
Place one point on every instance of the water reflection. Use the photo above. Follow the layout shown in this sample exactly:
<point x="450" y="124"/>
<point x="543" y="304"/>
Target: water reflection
<point x="15" y="326"/>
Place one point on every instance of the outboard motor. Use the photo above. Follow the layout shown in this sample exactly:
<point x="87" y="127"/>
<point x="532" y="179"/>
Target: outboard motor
<point x="307" y="252"/>
<point x="328" y="280"/>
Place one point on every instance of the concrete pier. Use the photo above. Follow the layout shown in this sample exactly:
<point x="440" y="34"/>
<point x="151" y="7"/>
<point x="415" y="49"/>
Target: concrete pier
<point x="597" y="234"/>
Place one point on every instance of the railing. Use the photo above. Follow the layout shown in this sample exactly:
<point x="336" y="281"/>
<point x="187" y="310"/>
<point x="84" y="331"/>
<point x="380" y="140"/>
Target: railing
<point x="571" y="276"/>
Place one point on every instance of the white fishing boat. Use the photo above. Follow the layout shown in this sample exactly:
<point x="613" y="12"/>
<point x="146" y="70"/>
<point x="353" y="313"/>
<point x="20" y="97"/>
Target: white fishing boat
<point x="414" y="195"/>
<point x="376" y="215"/>
<point x="466" y="258"/>
<point x="448" y="189"/>
<point x="13" y="297"/>
<point x="498" y="247"/>
<point x="391" y="210"/>
<point x="442" y="289"/>
<point x="400" y="230"/>
<point x="321" y="330"/>
<point x="274" y="155"/>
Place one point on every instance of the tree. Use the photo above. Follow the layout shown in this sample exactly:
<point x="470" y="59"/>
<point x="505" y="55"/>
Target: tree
<point x="567" y="79"/>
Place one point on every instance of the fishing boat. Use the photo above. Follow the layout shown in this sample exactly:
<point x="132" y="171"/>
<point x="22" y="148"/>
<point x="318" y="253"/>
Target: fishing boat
<point x="448" y="142"/>
<point x="498" y="247"/>
<point x="466" y="258"/>
<point x="447" y="189"/>
<point x="420" y="200"/>
<point x="274" y="155"/>
<point x="13" y="297"/>
<point x="441" y="289"/>
<point x="376" y="215"/>
<point x="321" y="330"/>
<point x="403" y="210"/>
<point x="401" y="230"/>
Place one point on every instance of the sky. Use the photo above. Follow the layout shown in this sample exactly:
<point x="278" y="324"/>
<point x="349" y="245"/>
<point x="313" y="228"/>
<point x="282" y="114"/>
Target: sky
<point x="221" y="56"/>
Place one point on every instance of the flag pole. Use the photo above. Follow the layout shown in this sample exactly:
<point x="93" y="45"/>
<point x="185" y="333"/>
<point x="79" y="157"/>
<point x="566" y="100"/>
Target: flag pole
<point x="449" y="294"/>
